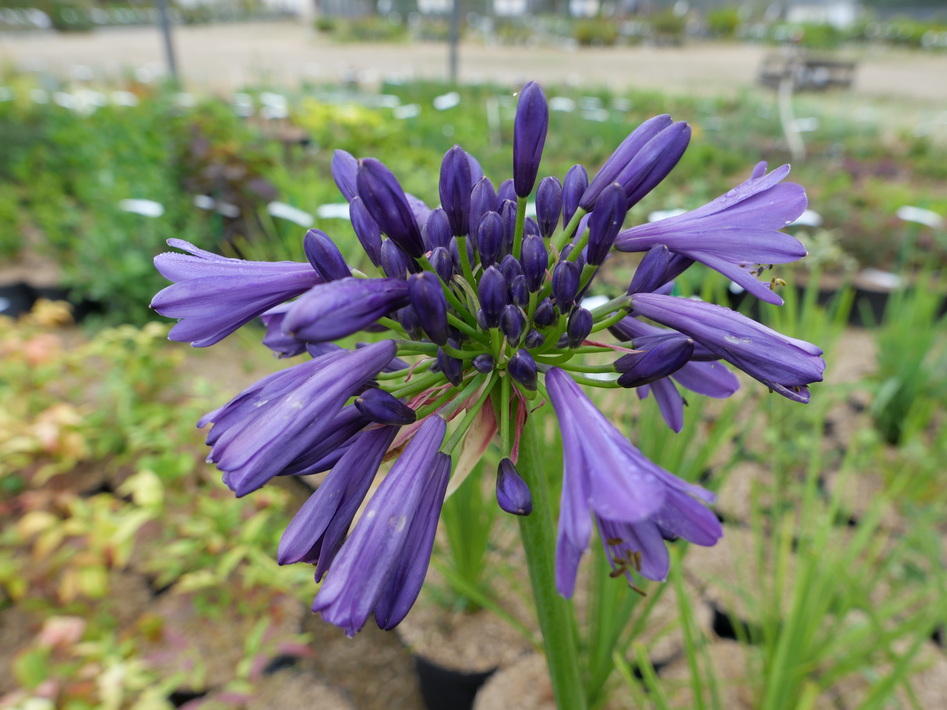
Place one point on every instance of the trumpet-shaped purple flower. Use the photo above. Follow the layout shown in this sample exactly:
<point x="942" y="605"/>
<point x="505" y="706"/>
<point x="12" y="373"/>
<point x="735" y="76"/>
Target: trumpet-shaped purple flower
<point x="785" y="365"/>
<point x="606" y="476"/>
<point x="381" y="566"/>
<point x="270" y="424"/>
<point x="737" y="234"/>
<point x="213" y="296"/>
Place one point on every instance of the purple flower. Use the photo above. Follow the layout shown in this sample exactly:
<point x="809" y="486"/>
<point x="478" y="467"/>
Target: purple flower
<point x="276" y="420"/>
<point x="344" y="168"/>
<point x="430" y="305"/>
<point x="785" y="365"/>
<point x="529" y="136"/>
<point x="281" y="344"/>
<point x="608" y="478"/>
<point x="621" y="158"/>
<point x="339" y="308"/>
<point x="317" y="531"/>
<point x="513" y="494"/>
<point x="389" y="206"/>
<point x="734" y="234"/>
<point x="605" y="222"/>
<point x="548" y="205"/>
<point x="382" y="565"/>
<point x="324" y="256"/>
<point x="455" y="186"/>
<point x="213" y="296"/>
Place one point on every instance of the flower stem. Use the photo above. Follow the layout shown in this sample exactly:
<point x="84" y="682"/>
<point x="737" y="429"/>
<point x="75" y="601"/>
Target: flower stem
<point x="538" y="533"/>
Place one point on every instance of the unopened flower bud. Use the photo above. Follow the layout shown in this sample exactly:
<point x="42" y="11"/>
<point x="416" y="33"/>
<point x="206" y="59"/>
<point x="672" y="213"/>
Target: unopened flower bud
<point x="529" y="136"/>
<point x="436" y="230"/>
<point x="384" y="408"/>
<point x="394" y="262"/>
<point x="408" y="318"/>
<point x="604" y="223"/>
<point x="522" y="368"/>
<point x="652" y="272"/>
<point x="430" y="305"/>
<point x="579" y="327"/>
<point x="513" y="494"/>
<point x="574" y="186"/>
<point x="489" y="238"/>
<point x="344" y="168"/>
<point x="366" y="229"/>
<point x="484" y="363"/>
<point x="534" y="339"/>
<point x="506" y="192"/>
<point x="545" y="314"/>
<point x="483" y="199"/>
<point x="565" y="284"/>
<point x="510" y="267"/>
<point x="507" y="210"/>
<point x="530" y="226"/>
<point x="388" y="205"/>
<point x="534" y="259"/>
<point x="519" y="294"/>
<point x="452" y="368"/>
<point x="443" y="264"/>
<point x="455" y="186"/>
<point x="492" y="292"/>
<point x="657" y="357"/>
<point x="325" y="256"/>
<point x="512" y="324"/>
<point x="548" y="205"/>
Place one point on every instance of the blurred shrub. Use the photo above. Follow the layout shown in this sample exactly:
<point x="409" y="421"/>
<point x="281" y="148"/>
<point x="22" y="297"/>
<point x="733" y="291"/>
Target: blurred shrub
<point x="723" y="21"/>
<point x="595" y="32"/>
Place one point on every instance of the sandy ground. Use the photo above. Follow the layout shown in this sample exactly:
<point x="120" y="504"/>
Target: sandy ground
<point x="226" y="57"/>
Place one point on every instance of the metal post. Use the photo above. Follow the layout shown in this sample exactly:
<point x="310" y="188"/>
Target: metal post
<point x="454" y="37"/>
<point x="164" y="18"/>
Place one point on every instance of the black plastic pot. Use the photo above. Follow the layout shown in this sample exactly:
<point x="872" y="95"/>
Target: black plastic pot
<point x="448" y="689"/>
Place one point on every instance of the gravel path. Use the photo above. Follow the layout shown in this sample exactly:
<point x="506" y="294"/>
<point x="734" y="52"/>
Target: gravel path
<point x="225" y="57"/>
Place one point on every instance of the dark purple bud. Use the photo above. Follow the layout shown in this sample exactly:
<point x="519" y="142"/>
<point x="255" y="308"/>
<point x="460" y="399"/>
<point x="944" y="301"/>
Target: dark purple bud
<point x="281" y="344"/>
<point x="651" y="273"/>
<point x="325" y="256"/>
<point x="409" y="320"/>
<point x="535" y="259"/>
<point x="508" y="215"/>
<point x="366" y="229"/>
<point x="454" y="187"/>
<point x="605" y="223"/>
<point x="492" y="291"/>
<point x="476" y="172"/>
<point x="484" y="363"/>
<point x="548" y="205"/>
<point x="338" y="308"/>
<point x="522" y="368"/>
<point x="658" y="356"/>
<point x="534" y="339"/>
<point x="506" y="192"/>
<point x="344" y="168"/>
<point x="482" y="320"/>
<point x="384" y="408"/>
<point x="529" y="136"/>
<point x="452" y="368"/>
<point x="455" y="254"/>
<point x="622" y="156"/>
<point x="443" y="264"/>
<point x="430" y="305"/>
<point x="576" y="182"/>
<point x="436" y="230"/>
<point x="580" y="325"/>
<point x="510" y="267"/>
<point x="512" y="492"/>
<point x="545" y="314"/>
<point x="483" y="199"/>
<point x="530" y="226"/>
<point x="519" y="293"/>
<point x="512" y="324"/>
<point x="653" y="162"/>
<point x="388" y="205"/>
<point x="394" y="262"/>
<point x="565" y="284"/>
<point x="489" y="238"/>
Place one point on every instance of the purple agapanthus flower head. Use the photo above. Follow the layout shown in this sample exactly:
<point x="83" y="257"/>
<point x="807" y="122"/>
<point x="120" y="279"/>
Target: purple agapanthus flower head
<point x="474" y="313"/>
